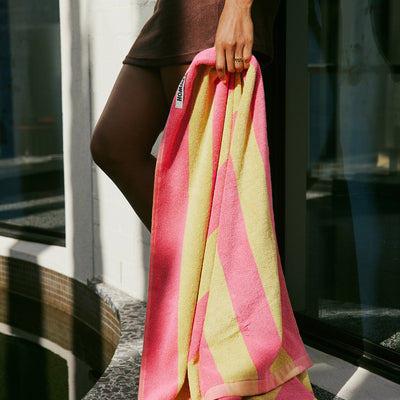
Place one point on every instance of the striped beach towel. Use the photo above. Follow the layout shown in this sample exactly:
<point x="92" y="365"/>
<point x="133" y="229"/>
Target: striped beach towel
<point x="219" y="323"/>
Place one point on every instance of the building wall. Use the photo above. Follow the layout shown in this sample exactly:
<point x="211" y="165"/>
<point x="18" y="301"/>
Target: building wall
<point x="104" y="238"/>
<point x="120" y="241"/>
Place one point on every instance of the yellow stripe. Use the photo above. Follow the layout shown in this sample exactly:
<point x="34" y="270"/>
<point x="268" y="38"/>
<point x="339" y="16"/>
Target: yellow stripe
<point x="253" y="195"/>
<point x="272" y="395"/>
<point x="226" y="135"/>
<point x="238" y="90"/>
<point x="282" y="360"/>
<point x="305" y="380"/>
<point x="200" y="179"/>
<point x="193" y="376"/>
<point x="209" y="255"/>
<point x="232" y="104"/>
<point x="222" y="332"/>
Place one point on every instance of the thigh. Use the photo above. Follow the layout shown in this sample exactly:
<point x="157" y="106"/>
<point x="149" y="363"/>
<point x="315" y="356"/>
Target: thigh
<point x="134" y="115"/>
<point x="170" y="77"/>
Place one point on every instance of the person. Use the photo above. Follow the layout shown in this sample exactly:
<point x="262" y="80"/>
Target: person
<point x="121" y="145"/>
<point x="138" y="106"/>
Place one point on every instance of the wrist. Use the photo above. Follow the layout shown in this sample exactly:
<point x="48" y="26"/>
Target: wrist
<point x="242" y="4"/>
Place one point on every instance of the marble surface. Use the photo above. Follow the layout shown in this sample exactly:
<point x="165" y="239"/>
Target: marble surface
<point x="121" y="378"/>
<point x="322" y="394"/>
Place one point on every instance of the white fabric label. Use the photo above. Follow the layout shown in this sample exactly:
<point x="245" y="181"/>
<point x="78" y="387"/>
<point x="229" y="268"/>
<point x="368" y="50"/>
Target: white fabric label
<point x="180" y="92"/>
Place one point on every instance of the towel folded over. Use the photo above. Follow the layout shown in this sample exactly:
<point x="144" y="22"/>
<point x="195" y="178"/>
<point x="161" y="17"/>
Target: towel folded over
<point x="219" y="323"/>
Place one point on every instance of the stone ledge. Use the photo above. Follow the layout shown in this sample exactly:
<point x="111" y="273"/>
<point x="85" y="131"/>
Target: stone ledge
<point x="55" y="307"/>
<point x="121" y="378"/>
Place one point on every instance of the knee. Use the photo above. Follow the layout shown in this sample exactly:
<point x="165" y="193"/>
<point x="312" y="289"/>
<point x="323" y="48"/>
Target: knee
<point x="112" y="150"/>
<point x="100" y="147"/>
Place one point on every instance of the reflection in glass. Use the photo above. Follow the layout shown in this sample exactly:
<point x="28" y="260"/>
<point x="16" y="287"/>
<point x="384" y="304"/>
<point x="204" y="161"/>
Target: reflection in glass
<point x="353" y="177"/>
<point x="31" y="162"/>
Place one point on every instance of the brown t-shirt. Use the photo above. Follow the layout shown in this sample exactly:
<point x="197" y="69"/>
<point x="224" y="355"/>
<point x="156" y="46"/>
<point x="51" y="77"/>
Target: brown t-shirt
<point x="179" y="29"/>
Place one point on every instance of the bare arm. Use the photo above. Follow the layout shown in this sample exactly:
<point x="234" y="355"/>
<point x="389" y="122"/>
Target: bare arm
<point x="234" y="37"/>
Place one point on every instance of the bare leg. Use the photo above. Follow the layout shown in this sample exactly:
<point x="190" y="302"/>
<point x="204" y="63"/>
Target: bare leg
<point x="133" y="117"/>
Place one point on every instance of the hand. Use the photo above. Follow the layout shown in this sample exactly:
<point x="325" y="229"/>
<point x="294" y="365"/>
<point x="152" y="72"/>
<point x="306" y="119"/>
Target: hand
<point x="234" y="37"/>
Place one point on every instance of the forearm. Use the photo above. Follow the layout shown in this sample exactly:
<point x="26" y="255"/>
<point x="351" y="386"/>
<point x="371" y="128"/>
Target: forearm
<point x="234" y="37"/>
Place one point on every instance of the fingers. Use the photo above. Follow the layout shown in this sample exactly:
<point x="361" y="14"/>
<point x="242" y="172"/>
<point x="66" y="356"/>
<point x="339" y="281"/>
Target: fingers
<point x="247" y="50"/>
<point x="233" y="40"/>
<point x="231" y="59"/>
<point x="230" y="55"/>
<point x="227" y="61"/>
<point x="220" y="62"/>
<point x="239" y="61"/>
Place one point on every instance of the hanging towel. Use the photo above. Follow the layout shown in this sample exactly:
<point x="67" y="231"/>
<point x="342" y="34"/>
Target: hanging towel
<point x="219" y="324"/>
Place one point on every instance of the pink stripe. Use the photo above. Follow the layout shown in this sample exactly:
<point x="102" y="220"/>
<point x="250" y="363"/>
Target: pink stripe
<point x="294" y="389"/>
<point x="260" y="130"/>
<point x="197" y="329"/>
<point x="218" y="120"/>
<point x="292" y="342"/>
<point x="219" y="184"/>
<point x="260" y="124"/>
<point x="218" y="127"/>
<point x="208" y="373"/>
<point x="170" y="206"/>
<point x="217" y="200"/>
<point x="241" y="273"/>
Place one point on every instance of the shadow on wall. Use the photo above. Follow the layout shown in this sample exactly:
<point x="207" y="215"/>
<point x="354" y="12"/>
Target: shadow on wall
<point x="79" y="204"/>
<point x="17" y="317"/>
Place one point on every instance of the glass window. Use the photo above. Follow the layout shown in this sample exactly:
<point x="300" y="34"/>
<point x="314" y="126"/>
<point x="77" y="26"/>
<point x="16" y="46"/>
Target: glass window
<point x="353" y="171"/>
<point x="31" y="154"/>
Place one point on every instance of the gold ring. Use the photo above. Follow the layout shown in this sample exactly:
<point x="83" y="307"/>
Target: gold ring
<point x="238" y="59"/>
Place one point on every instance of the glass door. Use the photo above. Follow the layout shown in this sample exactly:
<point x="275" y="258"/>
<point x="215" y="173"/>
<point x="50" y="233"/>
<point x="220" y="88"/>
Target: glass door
<point x="342" y="233"/>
